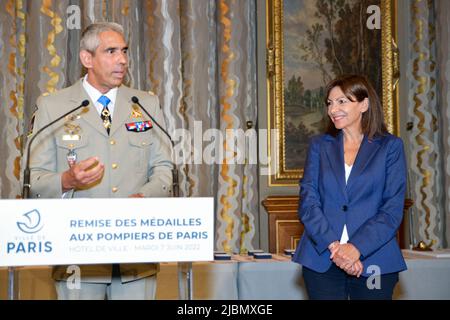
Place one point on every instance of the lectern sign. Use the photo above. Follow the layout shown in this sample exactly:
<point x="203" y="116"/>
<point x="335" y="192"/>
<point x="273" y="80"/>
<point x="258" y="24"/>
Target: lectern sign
<point x="96" y="231"/>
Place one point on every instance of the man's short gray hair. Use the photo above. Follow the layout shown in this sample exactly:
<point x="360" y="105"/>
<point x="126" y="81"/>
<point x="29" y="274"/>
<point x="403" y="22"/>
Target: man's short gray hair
<point x="90" y="37"/>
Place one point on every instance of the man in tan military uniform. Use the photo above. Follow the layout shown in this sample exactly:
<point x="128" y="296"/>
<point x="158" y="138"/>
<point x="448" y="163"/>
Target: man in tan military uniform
<point x="110" y="151"/>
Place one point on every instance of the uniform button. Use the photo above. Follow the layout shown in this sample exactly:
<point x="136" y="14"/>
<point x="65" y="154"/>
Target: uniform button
<point x="114" y="165"/>
<point x="115" y="189"/>
<point x="344" y="208"/>
<point x="112" y="142"/>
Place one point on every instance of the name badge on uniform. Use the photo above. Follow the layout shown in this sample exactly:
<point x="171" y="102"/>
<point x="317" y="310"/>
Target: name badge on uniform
<point x="71" y="137"/>
<point x="139" y="126"/>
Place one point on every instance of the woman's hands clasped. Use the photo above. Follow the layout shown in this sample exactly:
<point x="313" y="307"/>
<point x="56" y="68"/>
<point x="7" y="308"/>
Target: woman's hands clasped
<point x="346" y="256"/>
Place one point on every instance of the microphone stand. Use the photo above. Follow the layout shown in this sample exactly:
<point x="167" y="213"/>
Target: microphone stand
<point x="26" y="172"/>
<point x="175" y="185"/>
<point x="184" y="268"/>
<point x="13" y="276"/>
<point x="13" y="292"/>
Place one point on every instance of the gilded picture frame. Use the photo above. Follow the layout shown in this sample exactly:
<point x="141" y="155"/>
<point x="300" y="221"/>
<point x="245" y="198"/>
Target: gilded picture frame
<point x="282" y="171"/>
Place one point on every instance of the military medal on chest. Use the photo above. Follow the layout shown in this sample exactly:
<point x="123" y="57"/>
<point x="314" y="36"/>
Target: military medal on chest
<point x="71" y="156"/>
<point x="72" y="132"/>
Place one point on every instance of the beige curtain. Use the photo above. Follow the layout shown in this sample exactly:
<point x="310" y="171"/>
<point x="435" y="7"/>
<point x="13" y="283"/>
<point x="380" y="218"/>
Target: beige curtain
<point x="428" y="110"/>
<point x="198" y="56"/>
<point x="442" y="9"/>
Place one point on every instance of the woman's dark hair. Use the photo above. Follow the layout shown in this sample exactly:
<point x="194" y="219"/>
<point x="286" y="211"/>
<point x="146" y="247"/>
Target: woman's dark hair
<point x="357" y="88"/>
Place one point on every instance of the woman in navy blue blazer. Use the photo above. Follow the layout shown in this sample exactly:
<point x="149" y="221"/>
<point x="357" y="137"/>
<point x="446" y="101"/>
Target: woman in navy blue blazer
<point x="351" y="199"/>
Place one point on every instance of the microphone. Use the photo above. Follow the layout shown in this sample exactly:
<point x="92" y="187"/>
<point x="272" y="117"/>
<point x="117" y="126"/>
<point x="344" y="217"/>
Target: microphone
<point x="26" y="172"/>
<point x="176" y="190"/>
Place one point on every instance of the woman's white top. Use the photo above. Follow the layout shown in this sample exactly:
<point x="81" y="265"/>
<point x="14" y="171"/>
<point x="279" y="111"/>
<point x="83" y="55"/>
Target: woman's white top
<point x="344" y="236"/>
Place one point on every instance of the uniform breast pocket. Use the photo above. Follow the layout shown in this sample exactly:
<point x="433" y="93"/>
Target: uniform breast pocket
<point x="140" y="144"/>
<point x="71" y="150"/>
